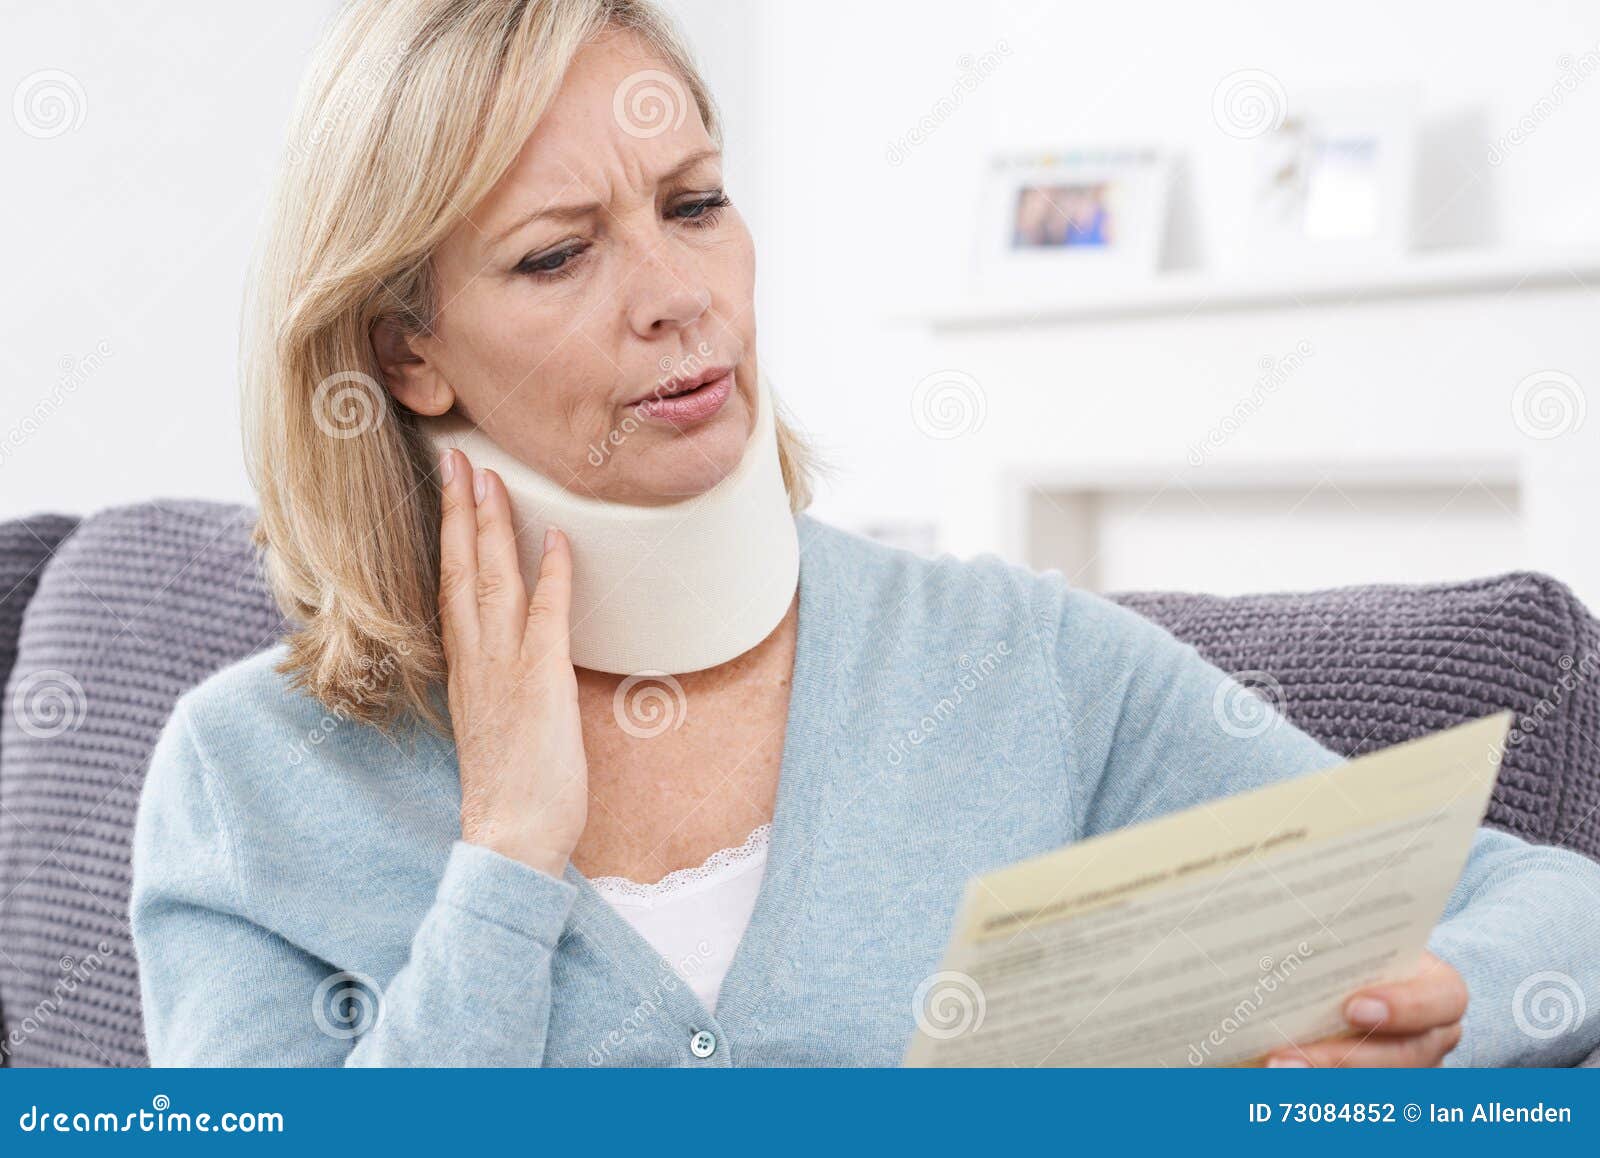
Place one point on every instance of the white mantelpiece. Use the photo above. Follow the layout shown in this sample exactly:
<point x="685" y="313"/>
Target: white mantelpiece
<point x="1126" y="435"/>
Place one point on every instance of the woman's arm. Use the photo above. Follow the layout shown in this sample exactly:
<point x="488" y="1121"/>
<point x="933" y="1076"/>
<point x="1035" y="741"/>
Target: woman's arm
<point x="1522" y="926"/>
<point x="221" y="987"/>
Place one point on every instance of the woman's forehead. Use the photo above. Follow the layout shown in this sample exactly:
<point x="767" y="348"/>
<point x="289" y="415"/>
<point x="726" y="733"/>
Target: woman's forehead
<point x="587" y="150"/>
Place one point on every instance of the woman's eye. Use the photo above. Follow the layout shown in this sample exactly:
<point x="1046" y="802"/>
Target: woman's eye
<point x="556" y="264"/>
<point x="703" y="211"/>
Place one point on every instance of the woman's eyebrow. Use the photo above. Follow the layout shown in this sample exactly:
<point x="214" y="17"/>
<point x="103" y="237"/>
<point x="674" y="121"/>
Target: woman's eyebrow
<point x="584" y="209"/>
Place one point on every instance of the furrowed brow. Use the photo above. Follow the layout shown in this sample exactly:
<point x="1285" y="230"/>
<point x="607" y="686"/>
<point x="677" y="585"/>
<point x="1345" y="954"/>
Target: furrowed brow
<point x="575" y="210"/>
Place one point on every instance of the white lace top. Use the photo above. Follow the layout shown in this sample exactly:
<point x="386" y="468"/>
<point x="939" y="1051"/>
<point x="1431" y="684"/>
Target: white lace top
<point x="695" y="917"/>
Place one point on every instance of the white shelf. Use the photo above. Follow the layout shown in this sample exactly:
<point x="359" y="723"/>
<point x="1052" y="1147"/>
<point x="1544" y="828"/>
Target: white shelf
<point x="1420" y="470"/>
<point x="1185" y="293"/>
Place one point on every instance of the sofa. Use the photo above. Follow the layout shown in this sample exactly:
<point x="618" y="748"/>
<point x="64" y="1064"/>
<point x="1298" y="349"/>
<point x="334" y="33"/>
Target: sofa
<point x="106" y="620"/>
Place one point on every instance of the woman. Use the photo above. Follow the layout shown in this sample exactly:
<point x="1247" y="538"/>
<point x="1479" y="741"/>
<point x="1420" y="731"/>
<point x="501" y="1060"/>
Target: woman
<point x="430" y="826"/>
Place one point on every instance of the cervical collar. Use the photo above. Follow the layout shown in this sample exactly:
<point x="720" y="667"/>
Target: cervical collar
<point x="673" y="588"/>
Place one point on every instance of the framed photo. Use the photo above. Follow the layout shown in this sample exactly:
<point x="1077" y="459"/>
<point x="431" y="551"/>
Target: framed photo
<point x="1333" y="182"/>
<point x="1053" y="220"/>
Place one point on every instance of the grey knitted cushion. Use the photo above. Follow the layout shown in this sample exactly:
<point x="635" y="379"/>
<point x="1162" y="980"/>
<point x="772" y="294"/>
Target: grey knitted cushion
<point x="1362" y="668"/>
<point x="25" y="546"/>
<point x="140" y="604"/>
<point x="145" y="601"/>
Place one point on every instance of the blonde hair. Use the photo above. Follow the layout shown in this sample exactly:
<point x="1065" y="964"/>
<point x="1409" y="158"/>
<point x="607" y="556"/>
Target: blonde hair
<point x="411" y="110"/>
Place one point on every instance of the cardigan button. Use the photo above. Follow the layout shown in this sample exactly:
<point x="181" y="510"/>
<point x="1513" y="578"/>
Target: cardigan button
<point x="703" y="1044"/>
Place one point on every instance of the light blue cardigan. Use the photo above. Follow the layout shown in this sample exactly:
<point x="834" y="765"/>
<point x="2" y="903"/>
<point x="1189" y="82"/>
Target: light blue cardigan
<point x="946" y="718"/>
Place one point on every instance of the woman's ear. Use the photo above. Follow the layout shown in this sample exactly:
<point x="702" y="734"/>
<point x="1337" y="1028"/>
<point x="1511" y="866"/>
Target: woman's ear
<point x="412" y="378"/>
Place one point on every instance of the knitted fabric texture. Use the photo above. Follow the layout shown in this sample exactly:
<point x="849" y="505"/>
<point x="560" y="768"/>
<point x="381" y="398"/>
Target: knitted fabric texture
<point x="25" y="546"/>
<point x="136" y="607"/>
<point x="143" y="602"/>
<point x="1363" y="668"/>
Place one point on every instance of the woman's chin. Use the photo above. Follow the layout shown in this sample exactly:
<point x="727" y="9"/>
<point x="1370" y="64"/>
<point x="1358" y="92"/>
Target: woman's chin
<point x="684" y="481"/>
<point x="687" y="469"/>
<point x="680" y="463"/>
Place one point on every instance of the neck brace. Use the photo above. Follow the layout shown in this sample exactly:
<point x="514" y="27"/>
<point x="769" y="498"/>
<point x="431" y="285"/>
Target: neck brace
<point x="674" y="588"/>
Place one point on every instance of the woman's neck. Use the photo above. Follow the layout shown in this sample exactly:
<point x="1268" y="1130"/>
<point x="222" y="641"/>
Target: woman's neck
<point x="681" y="766"/>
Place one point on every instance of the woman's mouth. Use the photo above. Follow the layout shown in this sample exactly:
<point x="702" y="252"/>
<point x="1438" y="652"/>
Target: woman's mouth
<point x="692" y="402"/>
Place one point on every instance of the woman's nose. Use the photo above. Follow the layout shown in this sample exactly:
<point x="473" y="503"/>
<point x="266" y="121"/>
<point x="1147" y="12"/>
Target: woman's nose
<point x="664" y="294"/>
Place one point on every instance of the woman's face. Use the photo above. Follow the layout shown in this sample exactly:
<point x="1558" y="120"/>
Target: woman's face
<point x="599" y="274"/>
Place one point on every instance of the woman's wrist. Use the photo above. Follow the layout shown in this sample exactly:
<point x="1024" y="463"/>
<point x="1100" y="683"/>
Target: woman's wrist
<point x="548" y="860"/>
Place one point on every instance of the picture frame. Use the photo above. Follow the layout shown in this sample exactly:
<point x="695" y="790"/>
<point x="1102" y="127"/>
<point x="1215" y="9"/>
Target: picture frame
<point x="1055" y="220"/>
<point x="1333" y="183"/>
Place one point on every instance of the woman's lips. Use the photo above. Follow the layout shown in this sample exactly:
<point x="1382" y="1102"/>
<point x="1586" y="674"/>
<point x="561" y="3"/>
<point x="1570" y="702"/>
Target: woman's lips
<point x="695" y="406"/>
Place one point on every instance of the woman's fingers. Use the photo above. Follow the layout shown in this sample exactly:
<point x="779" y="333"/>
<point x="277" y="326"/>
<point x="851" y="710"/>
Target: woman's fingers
<point x="458" y="554"/>
<point x="550" y="606"/>
<point x="1377" y="1050"/>
<point x="1414" y="1022"/>
<point x="501" y="598"/>
<point x="513" y="692"/>
<point x="1433" y="996"/>
<point x="483" y="602"/>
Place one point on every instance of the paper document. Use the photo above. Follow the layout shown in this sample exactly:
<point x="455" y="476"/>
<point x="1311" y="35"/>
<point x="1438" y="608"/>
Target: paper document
<point x="1216" y="934"/>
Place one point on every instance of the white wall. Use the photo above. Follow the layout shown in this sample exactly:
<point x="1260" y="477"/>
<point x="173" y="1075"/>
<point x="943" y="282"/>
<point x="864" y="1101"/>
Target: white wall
<point x="133" y="228"/>
<point x="857" y="235"/>
<point x="126" y="240"/>
<point x="126" y="236"/>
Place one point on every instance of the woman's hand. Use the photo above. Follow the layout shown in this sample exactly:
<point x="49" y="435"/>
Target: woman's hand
<point x="1405" y="1023"/>
<point x="513" y="694"/>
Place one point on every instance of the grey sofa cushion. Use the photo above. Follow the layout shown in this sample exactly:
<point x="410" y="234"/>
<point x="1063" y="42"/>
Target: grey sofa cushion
<point x="143" y="602"/>
<point x="140" y="604"/>
<point x="25" y="546"/>
<point x="1362" y="668"/>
